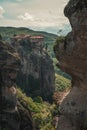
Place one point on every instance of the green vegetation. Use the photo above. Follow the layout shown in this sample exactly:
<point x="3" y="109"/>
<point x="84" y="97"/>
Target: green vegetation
<point x="42" y="112"/>
<point x="62" y="86"/>
<point x="62" y="83"/>
<point x="60" y="39"/>
<point x="8" y="32"/>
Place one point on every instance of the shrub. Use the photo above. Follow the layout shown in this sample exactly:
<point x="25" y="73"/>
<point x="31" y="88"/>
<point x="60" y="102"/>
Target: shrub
<point x="41" y="111"/>
<point x="38" y="99"/>
<point x="62" y="83"/>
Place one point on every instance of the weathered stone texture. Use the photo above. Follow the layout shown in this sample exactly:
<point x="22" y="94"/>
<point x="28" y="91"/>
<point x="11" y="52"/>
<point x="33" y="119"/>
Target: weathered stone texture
<point x="72" y="56"/>
<point x="11" y="114"/>
<point x="37" y="75"/>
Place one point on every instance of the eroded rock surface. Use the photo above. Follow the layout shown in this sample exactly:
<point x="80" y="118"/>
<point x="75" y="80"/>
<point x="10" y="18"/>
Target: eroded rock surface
<point x="72" y="56"/>
<point x="11" y="112"/>
<point x="37" y="71"/>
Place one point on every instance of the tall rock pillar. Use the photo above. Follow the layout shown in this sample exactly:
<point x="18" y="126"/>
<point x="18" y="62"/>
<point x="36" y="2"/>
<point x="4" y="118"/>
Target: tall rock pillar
<point x="13" y="114"/>
<point x="72" y="56"/>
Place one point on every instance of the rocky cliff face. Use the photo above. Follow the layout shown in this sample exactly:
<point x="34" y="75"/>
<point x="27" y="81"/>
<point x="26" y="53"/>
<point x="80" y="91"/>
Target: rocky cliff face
<point x="37" y="72"/>
<point x="12" y="112"/>
<point x="72" y="56"/>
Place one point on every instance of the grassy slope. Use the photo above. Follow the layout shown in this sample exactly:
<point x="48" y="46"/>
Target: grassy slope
<point x="41" y="111"/>
<point x="62" y="83"/>
<point x="44" y="112"/>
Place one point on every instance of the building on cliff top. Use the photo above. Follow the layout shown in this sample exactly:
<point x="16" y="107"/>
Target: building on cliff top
<point x="32" y="39"/>
<point x="36" y="39"/>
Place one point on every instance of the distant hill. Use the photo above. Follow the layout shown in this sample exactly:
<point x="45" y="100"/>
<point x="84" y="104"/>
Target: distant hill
<point x="8" y="32"/>
<point x="49" y="38"/>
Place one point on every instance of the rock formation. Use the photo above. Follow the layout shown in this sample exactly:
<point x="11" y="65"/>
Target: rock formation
<point x="12" y="112"/>
<point x="37" y="71"/>
<point x="72" y="56"/>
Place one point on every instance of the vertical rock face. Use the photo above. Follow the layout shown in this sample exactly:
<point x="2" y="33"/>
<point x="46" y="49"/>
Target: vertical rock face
<point x="9" y="66"/>
<point x="10" y="114"/>
<point x="37" y="71"/>
<point x="72" y="56"/>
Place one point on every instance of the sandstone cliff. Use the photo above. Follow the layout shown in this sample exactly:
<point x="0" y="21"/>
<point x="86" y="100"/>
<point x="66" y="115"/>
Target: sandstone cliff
<point x="13" y="115"/>
<point x="72" y="56"/>
<point x="36" y="77"/>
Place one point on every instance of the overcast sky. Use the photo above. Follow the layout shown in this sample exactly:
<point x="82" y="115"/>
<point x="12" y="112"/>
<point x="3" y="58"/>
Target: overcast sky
<point x="35" y="14"/>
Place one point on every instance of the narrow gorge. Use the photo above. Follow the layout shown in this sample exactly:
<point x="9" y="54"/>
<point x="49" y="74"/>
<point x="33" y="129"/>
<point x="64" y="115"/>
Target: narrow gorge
<point x="33" y="94"/>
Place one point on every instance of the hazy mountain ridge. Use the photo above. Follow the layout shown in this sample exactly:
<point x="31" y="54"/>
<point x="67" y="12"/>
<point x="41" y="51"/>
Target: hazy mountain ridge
<point x="10" y="31"/>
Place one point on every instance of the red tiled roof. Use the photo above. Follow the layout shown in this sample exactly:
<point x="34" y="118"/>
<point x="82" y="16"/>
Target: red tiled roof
<point x="22" y="36"/>
<point x="36" y="37"/>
